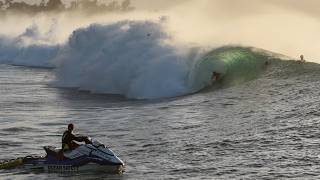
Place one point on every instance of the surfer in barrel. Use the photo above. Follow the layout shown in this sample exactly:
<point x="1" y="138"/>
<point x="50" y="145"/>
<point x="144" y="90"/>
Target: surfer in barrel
<point x="215" y="76"/>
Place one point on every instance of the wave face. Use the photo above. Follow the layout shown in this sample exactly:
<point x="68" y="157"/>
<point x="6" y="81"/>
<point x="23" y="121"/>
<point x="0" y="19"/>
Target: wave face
<point x="235" y="64"/>
<point x="136" y="59"/>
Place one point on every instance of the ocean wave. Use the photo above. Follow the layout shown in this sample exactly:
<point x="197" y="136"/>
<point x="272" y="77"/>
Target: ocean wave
<point x="136" y="59"/>
<point x="31" y="48"/>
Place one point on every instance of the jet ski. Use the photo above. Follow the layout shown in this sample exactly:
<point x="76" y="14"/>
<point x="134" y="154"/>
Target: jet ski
<point x="91" y="157"/>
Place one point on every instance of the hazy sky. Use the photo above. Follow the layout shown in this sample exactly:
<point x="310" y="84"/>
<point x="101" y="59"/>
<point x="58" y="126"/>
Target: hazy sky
<point x="289" y="27"/>
<point x="144" y="4"/>
<point x="308" y="6"/>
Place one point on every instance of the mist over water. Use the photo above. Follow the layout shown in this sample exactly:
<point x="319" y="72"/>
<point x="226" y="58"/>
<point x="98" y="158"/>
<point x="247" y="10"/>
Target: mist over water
<point x="287" y="27"/>
<point x="279" y="26"/>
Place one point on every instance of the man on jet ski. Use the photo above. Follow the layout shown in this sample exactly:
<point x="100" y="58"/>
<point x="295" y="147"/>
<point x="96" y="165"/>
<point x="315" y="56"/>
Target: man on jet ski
<point x="68" y="139"/>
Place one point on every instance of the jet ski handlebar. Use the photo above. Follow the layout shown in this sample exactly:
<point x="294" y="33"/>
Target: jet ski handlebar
<point x="87" y="140"/>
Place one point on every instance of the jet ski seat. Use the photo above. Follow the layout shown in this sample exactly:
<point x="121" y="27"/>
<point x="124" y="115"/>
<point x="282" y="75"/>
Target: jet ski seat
<point x="53" y="151"/>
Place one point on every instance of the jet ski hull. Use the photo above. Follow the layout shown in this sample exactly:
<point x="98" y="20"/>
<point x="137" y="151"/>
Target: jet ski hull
<point x="86" y="158"/>
<point x="90" y="167"/>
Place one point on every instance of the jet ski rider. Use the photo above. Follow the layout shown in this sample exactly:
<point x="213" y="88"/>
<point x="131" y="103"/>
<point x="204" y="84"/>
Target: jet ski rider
<point x="68" y="139"/>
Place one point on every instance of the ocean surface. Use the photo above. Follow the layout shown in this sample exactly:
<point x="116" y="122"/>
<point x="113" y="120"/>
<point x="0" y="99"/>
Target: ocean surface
<point x="263" y="128"/>
<point x="153" y="103"/>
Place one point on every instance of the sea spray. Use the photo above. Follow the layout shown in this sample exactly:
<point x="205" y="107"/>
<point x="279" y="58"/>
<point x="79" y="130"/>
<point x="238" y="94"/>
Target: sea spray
<point x="30" y="48"/>
<point x="131" y="58"/>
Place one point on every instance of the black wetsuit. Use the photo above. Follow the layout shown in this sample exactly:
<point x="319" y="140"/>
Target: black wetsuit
<point x="215" y="76"/>
<point x="68" y="139"/>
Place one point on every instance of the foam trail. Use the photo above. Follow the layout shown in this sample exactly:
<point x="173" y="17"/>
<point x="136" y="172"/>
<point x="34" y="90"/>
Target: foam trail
<point x="131" y="58"/>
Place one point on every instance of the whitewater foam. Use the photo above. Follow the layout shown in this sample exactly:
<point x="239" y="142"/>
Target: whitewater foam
<point x="131" y="58"/>
<point x="30" y="48"/>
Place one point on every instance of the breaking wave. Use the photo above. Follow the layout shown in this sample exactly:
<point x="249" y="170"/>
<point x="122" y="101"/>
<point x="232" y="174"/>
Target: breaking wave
<point x="137" y="59"/>
<point x="235" y="64"/>
<point x="31" y="48"/>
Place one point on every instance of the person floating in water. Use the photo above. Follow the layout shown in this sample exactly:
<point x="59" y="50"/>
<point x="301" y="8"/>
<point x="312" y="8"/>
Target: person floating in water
<point x="215" y="76"/>
<point x="68" y="139"/>
<point x="302" y="60"/>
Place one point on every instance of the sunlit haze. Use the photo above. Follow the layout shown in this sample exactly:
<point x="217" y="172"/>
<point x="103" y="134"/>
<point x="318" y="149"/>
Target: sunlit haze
<point x="289" y="27"/>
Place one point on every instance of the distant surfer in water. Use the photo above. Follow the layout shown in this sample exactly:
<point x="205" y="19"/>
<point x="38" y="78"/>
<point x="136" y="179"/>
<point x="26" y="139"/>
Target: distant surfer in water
<point x="215" y="76"/>
<point x="302" y="60"/>
<point x="266" y="64"/>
